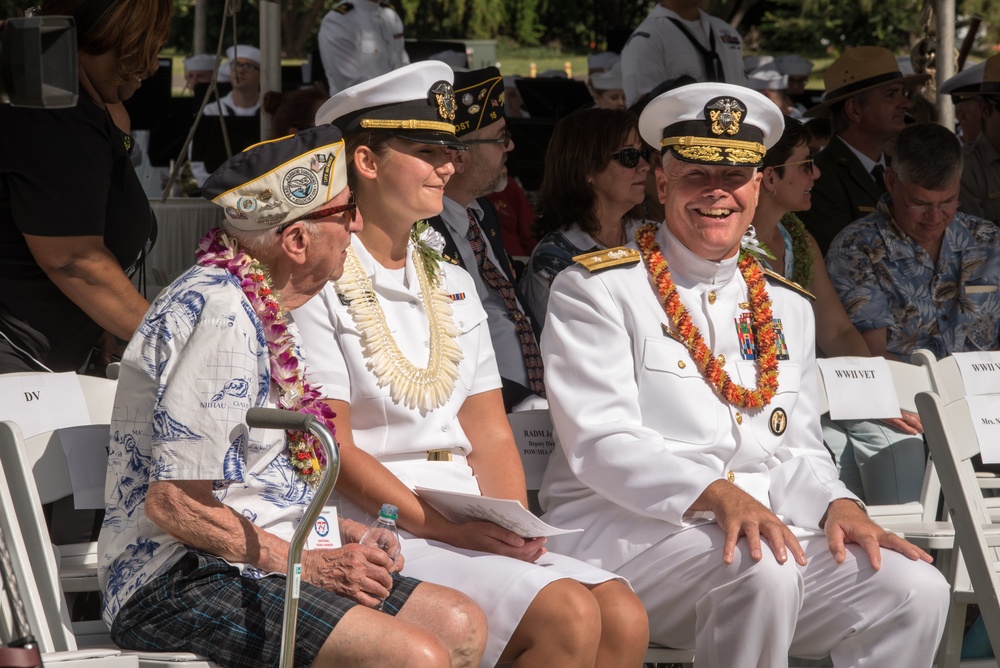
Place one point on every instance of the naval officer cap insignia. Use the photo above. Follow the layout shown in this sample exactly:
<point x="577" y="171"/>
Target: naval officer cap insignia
<point x="415" y="103"/>
<point x="280" y="180"/>
<point x="713" y="124"/>
<point x="480" y="97"/>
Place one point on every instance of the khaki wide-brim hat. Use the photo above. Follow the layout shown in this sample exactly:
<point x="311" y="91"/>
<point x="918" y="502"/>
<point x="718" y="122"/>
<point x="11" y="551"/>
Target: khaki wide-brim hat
<point x="990" y="83"/>
<point x="861" y="69"/>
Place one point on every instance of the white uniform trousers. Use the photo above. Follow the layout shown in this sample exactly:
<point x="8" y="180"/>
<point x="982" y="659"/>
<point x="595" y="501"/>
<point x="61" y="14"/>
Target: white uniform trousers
<point x="755" y="614"/>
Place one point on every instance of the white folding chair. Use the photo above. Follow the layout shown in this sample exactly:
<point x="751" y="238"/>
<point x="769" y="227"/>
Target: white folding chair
<point x="953" y="442"/>
<point x="36" y="472"/>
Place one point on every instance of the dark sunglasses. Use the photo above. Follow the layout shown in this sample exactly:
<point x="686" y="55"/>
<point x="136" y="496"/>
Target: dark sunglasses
<point x="351" y="207"/>
<point x="629" y="157"/>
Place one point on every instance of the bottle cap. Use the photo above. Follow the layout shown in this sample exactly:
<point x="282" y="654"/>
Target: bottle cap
<point x="389" y="511"/>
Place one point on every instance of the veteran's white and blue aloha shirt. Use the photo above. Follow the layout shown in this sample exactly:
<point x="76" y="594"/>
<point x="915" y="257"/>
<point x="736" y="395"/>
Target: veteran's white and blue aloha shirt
<point x="885" y="279"/>
<point x="197" y="363"/>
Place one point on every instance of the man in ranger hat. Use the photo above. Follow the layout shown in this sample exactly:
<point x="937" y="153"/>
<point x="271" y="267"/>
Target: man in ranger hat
<point x="866" y="100"/>
<point x="980" y="192"/>
<point x="473" y="236"/>
<point x="681" y="381"/>
<point x="200" y="508"/>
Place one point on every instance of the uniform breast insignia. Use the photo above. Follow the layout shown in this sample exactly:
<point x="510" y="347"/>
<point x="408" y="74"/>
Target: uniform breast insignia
<point x="607" y="258"/>
<point x="448" y="258"/>
<point x="778" y="278"/>
<point x="344" y="7"/>
<point x="778" y="421"/>
<point x="748" y="343"/>
<point x="457" y="297"/>
<point x="779" y="339"/>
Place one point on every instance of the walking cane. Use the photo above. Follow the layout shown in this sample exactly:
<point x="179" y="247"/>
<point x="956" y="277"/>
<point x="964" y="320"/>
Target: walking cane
<point x="22" y="652"/>
<point x="274" y="418"/>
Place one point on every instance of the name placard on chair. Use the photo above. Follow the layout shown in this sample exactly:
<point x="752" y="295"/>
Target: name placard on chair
<point x="533" y="435"/>
<point x="41" y="402"/>
<point x="980" y="372"/>
<point x="86" y="449"/>
<point x="859" y="388"/>
<point x="985" y="413"/>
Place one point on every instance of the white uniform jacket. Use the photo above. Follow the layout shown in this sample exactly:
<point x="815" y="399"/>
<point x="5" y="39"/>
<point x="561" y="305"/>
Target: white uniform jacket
<point x="657" y="50"/>
<point x="640" y="433"/>
<point x="358" y="41"/>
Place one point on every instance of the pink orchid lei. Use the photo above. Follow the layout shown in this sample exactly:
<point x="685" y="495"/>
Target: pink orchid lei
<point x="216" y="249"/>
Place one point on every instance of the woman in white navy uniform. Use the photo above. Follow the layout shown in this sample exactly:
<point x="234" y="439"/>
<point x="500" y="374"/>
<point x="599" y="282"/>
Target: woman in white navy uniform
<point x="693" y="459"/>
<point x="402" y="350"/>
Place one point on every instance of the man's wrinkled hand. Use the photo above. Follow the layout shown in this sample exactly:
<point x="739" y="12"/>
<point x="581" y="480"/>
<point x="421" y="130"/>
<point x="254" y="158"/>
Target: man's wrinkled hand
<point x="360" y="573"/>
<point x="847" y="523"/>
<point x="739" y="514"/>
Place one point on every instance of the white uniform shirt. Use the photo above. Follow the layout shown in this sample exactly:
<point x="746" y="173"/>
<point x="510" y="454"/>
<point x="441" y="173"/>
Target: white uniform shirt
<point x="510" y="357"/>
<point x="196" y="364"/>
<point x="390" y="431"/>
<point x="360" y="43"/>
<point x="641" y="434"/>
<point x="658" y="50"/>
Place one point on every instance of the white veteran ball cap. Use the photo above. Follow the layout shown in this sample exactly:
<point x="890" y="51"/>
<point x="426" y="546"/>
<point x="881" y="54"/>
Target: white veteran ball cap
<point x="713" y="124"/>
<point x="278" y="181"/>
<point x="415" y="102"/>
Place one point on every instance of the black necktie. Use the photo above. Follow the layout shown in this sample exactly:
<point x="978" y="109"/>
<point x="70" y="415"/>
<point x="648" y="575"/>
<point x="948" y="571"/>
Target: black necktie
<point x="878" y="173"/>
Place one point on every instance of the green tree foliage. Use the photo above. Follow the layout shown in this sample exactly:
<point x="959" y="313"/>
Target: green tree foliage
<point x="814" y="27"/>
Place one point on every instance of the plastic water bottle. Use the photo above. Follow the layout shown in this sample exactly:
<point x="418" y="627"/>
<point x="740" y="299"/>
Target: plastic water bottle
<point x="383" y="534"/>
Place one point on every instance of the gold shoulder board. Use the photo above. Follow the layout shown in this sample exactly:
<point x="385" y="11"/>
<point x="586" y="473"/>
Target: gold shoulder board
<point x="607" y="258"/>
<point x="344" y="7"/>
<point x="778" y="278"/>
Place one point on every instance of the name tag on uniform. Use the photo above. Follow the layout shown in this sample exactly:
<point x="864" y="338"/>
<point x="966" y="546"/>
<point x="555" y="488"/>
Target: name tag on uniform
<point x="859" y="388"/>
<point x="325" y="534"/>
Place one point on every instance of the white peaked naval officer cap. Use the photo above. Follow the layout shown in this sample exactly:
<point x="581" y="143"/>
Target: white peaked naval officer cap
<point x="415" y="102"/>
<point x="713" y="124"/>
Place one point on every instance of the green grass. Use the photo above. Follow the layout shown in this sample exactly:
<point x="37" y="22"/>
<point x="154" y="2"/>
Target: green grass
<point x="517" y="60"/>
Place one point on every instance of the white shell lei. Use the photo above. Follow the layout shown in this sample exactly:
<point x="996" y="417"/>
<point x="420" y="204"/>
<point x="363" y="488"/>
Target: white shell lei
<point x="424" y="389"/>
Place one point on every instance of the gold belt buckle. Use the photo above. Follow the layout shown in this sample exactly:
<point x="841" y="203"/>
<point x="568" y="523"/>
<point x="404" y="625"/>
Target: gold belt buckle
<point x="439" y="455"/>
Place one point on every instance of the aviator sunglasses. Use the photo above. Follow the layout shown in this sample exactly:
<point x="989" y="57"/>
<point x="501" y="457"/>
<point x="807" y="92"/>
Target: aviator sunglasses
<point x="629" y="157"/>
<point x="351" y="207"/>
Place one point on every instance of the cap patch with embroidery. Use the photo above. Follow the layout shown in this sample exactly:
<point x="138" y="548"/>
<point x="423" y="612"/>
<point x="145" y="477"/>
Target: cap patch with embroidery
<point x="480" y="95"/>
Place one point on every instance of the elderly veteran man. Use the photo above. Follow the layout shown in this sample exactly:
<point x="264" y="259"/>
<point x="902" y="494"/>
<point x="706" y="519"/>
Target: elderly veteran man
<point x="915" y="274"/>
<point x="866" y="101"/>
<point x="199" y="507"/>
<point x="681" y="380"/>
<point x="473" y="238"/>
<point x="979" y="194"/>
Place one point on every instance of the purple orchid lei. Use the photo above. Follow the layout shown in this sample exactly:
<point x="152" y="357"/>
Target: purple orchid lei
<point x="216" y="249"/>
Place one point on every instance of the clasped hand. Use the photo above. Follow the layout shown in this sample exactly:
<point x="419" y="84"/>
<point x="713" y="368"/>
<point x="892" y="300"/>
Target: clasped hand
<point x="359" y="572"/>
<point x="489" y="537"/>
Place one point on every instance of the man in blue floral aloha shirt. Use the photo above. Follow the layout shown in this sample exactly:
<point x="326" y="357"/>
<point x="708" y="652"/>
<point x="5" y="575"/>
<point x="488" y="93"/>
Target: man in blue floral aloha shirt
<point x="914" y="274"/>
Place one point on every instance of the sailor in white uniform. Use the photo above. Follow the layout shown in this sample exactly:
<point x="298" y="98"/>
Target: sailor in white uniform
<point x="682" y="386"/>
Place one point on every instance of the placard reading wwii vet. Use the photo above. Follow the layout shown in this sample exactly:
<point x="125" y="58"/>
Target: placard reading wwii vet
<point x="859" y="388"/>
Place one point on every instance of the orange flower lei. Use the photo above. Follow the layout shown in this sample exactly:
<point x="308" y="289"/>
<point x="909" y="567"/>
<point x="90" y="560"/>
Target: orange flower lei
<point x="708" y="364"/>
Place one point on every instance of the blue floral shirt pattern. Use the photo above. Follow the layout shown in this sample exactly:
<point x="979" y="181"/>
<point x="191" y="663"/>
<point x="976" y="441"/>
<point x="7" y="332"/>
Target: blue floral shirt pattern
<point x="885" y="279"/>
<point x="197" y="363"/>
<point x="551" y="255"/>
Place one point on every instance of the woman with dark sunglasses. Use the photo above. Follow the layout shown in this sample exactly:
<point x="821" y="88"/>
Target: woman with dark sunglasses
<point x="592" y="188"/>
<point x="788" y="176"/>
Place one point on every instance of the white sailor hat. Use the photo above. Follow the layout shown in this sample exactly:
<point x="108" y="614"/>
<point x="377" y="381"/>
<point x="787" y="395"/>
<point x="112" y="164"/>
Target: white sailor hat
<point x="199" y="62"/>
<point x="713" y="124"/>
<point x="751" y="63"/>
<point x="610" y="79"/>
<point x="281" y="180"/>
<point x="793" y="65"/>
<point x="767" y="77"/>
<point x="599" y="62"/>
<point x="415" y="102"/>
<point x="243" y="51"/>
<point x="964" y="84"/>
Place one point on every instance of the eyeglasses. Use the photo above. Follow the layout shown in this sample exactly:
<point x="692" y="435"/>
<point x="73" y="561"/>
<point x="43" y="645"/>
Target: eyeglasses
<point x="629" y="157"/>
<point x="351" y="208"/>
<point x="238" y="65"/>
<point x="505" y="140"/>
<point x="807" y="165"/>
<point x="947" y="208"/>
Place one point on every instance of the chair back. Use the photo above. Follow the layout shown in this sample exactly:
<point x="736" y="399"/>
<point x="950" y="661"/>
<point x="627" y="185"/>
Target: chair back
<point x="951" y="437"/>
<point x="946" y="377"/>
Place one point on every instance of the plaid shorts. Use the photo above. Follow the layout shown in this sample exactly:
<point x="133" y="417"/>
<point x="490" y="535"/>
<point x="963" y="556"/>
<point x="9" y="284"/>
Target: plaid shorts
<point x="203" y="605"/>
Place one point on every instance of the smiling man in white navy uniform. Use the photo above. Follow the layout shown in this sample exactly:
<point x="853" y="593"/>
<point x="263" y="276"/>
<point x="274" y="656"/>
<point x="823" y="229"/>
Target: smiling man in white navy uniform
<point x="692" y="457"/>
